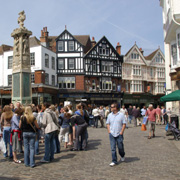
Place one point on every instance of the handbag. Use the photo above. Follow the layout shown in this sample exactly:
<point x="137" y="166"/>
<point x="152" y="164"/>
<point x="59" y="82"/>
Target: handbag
<point x="2" y="145"/>
<point x="143" y="127"/>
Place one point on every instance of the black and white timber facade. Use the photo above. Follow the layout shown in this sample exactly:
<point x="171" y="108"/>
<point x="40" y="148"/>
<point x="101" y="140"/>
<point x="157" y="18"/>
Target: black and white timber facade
<point x="88" y="71"/>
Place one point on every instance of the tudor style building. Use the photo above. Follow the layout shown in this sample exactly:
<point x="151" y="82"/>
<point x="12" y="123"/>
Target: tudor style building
<point x="143" y="77"/>
<point x="87" y="70"/>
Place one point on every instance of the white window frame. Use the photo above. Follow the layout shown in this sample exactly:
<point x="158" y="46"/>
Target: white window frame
<point x="53" y="81"/>
<point x="71" y="45"/>
<point x="60" y="63"/>
<point x="32" y="59"/>
<point x="174" y="54"/>
<point x="71" y="63"/>
<point x="137" y="70"/>
<point x="135" y="56"/>
<point x="60" y="46"/>
<point x="66" y="82"/>
<point x="10" y="80"/>
<point x="160" y="72"/>
<point x="158" y="58"/>
<point x="136" y="86"/>
<point x="106" y="84"/>
<point x="106" y="66"/>
<point x="47" y="78"/>
<point x="159" y="87"/>
<point x="47" y="60"/>
<point x="10" y="62"/>
<point x="53" y="62"/>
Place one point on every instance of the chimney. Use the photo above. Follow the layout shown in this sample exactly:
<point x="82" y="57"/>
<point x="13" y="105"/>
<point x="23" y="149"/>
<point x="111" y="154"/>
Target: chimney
<point x="44" y="37"/>
<point x="142" y="52"/>
<point x="118" y="48"/>
<point x="93" y="42"/>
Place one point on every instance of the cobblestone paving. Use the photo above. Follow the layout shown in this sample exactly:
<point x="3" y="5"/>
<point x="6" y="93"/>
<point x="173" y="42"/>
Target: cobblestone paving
<point x="157" y="158"/>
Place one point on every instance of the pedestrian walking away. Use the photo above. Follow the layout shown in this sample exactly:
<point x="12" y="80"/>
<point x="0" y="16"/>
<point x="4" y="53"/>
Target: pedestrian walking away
<point x="116" y="125"/>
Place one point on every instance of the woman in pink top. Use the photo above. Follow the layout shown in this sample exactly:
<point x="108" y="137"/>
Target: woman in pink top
<point x="151" y="113"/>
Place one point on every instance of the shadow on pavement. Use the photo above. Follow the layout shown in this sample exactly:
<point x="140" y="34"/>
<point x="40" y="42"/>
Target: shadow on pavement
<point x="92" y="144"/>
<point x="8" y="178"/>
<point x="131" y="159"/>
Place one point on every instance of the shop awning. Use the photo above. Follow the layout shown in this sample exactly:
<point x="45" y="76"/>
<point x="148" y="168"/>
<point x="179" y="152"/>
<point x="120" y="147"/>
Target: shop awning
<point x="174" y="96"/>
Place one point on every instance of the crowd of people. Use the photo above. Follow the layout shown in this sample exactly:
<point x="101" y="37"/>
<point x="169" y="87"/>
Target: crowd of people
<point x="23" y="128"/>
<point x="51" y="124"/>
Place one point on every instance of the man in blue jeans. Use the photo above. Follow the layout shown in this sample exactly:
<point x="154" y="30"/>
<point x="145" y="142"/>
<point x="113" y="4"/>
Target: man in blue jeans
<point x="116" y="125"/>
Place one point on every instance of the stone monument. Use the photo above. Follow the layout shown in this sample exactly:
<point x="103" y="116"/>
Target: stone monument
<point x="21" y="68"/>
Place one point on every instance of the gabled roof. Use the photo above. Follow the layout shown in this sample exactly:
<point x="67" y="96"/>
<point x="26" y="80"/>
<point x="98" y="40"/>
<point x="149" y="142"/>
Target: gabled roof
<point x="103" y="38"/>
<point x="84" y="40"/>
<point x="150" y="56"/>
<point x="4" y="48"/>
<point x="33" y="41"/>
<point x="140" y="53"/>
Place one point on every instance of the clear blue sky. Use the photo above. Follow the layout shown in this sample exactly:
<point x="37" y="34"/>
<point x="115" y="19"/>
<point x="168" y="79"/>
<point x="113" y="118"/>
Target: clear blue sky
<point x="124" y="21"/>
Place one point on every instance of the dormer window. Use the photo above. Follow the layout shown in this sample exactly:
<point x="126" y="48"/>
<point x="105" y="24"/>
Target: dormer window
<point x="134" y="56"/>
<point x="159" y="58"/>
<point x="71" y="45"/>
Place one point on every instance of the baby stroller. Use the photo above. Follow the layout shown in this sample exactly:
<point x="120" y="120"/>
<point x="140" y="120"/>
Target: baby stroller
<point x="175" y="131"/>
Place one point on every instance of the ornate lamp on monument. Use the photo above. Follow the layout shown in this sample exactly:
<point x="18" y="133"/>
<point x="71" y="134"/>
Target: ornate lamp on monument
<point x="21" y="71"/>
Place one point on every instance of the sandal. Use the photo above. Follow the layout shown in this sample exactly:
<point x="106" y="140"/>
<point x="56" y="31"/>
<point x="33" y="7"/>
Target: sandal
<point x="17" y="161"/>
<point x="149" y="137"/>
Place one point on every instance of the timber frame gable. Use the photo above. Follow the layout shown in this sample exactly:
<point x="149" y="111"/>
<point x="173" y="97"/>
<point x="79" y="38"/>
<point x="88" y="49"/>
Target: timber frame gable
<point x="156" y="58"/>
<point x="70" y="53"/>
<point x="66" y="36"/>
<point x="138" y="56"/>
<point x="103" y="60"/>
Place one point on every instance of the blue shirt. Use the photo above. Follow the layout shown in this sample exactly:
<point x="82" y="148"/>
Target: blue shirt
<point x="15" y="122"/>
<point x="116" y="122"/>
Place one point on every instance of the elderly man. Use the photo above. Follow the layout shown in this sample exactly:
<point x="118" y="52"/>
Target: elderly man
<point x="151" y="113"/>
<point x="116" y="125"/>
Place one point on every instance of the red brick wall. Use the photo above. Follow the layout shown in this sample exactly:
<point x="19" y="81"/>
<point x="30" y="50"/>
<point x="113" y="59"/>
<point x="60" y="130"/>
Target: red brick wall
<point x="80" y="83"/>
<point x="39" y="77"/>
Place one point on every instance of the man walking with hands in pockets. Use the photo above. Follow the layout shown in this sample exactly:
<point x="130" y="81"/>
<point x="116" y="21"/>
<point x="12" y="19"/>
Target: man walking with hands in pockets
<point x="116" y="125"/>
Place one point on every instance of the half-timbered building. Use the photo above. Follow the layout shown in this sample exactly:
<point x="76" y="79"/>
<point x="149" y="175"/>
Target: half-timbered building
<point x="87" y="70"/>
<point x="103" y="66"/>
<point x="143" y="77"/>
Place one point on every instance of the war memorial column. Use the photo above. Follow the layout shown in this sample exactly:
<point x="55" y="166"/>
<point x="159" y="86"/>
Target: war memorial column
<point x="21" y="71"/>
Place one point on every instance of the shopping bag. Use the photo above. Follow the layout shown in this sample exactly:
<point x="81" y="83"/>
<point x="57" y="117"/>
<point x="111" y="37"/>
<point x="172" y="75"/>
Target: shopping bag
<point x="2" y="146"/>
<point x="145" y="119"/>
<point x="143" y="127"/>
<point x="167" y="127"/>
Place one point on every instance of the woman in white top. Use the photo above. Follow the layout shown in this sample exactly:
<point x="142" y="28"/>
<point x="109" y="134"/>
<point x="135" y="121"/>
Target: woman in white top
<point x="95" y="113"/>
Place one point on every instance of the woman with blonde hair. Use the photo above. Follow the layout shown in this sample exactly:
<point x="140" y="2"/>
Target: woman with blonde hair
<point x="27" y="124"/>
<point x="6" y="128"/>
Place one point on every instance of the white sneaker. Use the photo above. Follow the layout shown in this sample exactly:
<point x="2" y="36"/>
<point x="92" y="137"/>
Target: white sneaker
<point x="123" y="159"/>
<point x="112" y="164"/>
